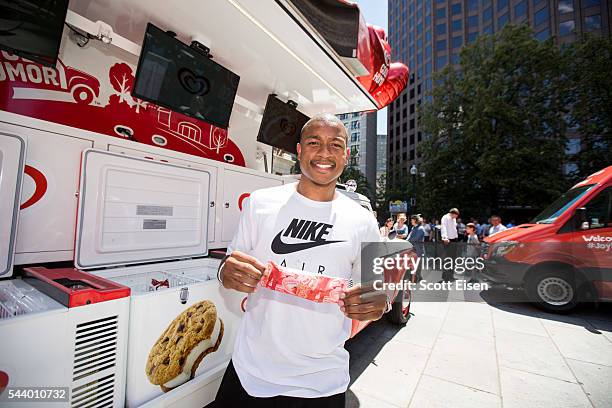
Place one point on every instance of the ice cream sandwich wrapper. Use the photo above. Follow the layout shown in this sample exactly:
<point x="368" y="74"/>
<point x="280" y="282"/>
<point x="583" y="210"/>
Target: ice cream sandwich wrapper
<point x="316" y="288"/>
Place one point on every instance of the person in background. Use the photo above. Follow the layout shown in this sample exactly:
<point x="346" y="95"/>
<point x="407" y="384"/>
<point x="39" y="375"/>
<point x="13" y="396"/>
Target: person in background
<point x="486" y="224"/>
<point x="473" y="248"/>
<point x="417" y="238"/>
<point x="386" y="228"/>
<point x="448" y="227"/>
<point x="400" y="227"/>
<point x="511" y="224"/>
<point x="496" y="225"/>
<point x="426" y="230"/>
<point x="460" y="230"/>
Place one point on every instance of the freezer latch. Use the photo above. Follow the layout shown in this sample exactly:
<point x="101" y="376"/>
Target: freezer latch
<point x="184" y="295"/>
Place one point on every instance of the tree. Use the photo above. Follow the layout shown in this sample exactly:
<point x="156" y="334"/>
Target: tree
<point x="496" y="128"/>
<point x="590" y="83"/>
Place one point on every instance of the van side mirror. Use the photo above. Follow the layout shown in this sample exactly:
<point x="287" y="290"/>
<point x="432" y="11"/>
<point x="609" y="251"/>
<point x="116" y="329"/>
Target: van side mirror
<point x="581" y="219"/>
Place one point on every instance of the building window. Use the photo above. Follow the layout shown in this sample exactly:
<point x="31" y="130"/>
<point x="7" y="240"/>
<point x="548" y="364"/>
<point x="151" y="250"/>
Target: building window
<point x="541" y="16"/>
<point x="404" y="142"/>
<point x="472" y="5"/>
<point x="441" y="29"/>
<point x="419" y="89"/>
<point x="472" y="22"/>
<point x="411" y="123"/>
<point x="566" y="6"/>
<point x="440" y="13"/>
<point x="404" y="98"/>
<point x="355" y="124"/>
<point x="404" y="129"/>
<point x="427" y="36"/>
<point x="412" y="108"/>
<point x="419" y="137"/>
<point x="457" y="25"/>
<point x="592" y="23"/>
<point x="487" y="14"/>
<point x="455" y="60"/>
<point x="488" y="29"/>
<point x="472" y="37"/>
<point x="456" y="9"/>
<point x="428" y="52"/>
<point x="412" y="155"/>
<point x="441" y="61"/>
<point x="520" y="9"/>
<point x="566" y="27"/>
<point x="441" y="45"/>
<point x="543" y="35"/>
<point x="411" y="140"/>
<point x="591" y="3"/>
<point x="502" y="20"/>
<point x="428" y="69"/>
<point x="354" y="137"/>
<point x="502" y="4"/>
<point x="457" y="41"/>
<point x="412" y="93"/>
<point x="404" y="112"/>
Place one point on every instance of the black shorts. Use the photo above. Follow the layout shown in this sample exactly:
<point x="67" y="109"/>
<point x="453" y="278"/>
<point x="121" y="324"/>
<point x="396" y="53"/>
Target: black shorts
<point x="232" y="395"/>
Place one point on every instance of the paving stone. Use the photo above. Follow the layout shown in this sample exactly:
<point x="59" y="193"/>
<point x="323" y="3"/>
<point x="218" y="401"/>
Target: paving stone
<point x="525" y="390"/>
<point x="393" y="375"/>
<point x="532" y="353"/>
<point x="513" y="320"/>
<point x="421" y="330"/>
<point x="595" y="380"/>
<point x="436" y="393"/>
<point x="581" y="344"/>
<point x="465" y="361"/>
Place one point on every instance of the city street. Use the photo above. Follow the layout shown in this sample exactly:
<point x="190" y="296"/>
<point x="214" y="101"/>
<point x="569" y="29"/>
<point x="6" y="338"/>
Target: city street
<point x="469" y="354"/>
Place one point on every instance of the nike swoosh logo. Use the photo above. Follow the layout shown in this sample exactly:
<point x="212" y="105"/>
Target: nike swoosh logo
<point x="280" y="247"/>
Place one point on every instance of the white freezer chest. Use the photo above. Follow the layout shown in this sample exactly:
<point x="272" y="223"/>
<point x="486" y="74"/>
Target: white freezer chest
<point x="152" y="217"/>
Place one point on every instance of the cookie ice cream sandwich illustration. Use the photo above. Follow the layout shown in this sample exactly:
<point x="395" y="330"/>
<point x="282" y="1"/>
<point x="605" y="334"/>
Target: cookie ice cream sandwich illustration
<point x="175" y="357"/>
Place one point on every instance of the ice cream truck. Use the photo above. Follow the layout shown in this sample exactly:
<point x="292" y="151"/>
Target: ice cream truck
<point x="128" y="144"/>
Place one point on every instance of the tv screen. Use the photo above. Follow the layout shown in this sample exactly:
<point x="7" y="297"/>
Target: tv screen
<point x="281" y="125"/>
<point x="178" y="77"/>
<point x="33" y="29"/>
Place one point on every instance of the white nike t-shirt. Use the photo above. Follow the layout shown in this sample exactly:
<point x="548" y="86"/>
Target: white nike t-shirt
<point x="288" y="345"/>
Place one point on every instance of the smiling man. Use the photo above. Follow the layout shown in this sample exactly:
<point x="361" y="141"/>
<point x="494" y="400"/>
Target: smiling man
<point x="289" y="351"/>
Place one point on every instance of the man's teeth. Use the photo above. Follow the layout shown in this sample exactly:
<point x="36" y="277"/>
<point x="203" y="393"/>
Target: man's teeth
<point x="324" y="166"/>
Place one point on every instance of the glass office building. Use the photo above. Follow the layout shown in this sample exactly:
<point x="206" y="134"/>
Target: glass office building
<point x="428" y="34"/>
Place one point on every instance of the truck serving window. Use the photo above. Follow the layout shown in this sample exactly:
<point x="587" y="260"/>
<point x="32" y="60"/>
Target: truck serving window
<point x="550" y="214"/>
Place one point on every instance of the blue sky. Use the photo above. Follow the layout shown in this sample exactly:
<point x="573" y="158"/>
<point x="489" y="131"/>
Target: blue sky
<point x="375" y="12"/>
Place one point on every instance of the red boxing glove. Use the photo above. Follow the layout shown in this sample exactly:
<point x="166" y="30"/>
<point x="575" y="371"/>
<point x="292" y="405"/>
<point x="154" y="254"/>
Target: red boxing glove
<point x="317" y="288"/>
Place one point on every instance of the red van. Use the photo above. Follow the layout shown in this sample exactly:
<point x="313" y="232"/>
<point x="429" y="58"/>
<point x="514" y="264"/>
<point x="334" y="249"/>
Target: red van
<point x="564" y="256"/>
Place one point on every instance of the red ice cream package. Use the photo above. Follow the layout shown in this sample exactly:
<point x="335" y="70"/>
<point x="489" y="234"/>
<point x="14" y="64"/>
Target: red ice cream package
<point x="317" y="288"/>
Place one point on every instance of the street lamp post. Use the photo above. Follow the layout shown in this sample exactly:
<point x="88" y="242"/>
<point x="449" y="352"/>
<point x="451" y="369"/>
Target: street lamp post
<point x="413" y="172"/>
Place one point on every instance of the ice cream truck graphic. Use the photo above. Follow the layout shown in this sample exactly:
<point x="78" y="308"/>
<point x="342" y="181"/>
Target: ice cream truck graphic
<point x="37" y="82"/>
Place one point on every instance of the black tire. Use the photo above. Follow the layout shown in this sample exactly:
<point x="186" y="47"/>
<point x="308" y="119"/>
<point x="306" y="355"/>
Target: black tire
<point x="400" y="309"/>
<point x="553" y="289"/>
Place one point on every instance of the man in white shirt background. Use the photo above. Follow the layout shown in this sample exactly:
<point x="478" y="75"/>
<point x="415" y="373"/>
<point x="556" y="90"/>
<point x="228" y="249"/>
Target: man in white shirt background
<point x="496" y="225"/>
<point x="448" y="226"/>
<point x="289" y="351"/>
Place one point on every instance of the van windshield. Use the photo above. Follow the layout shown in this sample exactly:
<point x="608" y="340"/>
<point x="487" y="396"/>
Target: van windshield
<point x="550" y="214"/>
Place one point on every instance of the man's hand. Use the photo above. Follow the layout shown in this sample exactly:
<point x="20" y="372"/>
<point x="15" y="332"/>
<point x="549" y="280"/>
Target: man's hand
<point x="363" y="303"/>
<point x="242" y="272"/>
<point x="446" y="241"/>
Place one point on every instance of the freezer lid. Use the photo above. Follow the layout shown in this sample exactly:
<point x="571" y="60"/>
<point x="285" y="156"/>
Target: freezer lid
<point x="133" y="210"/>
<point x="12" y="162"/>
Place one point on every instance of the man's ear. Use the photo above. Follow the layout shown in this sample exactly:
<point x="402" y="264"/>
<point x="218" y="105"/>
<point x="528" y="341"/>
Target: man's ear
<point x="299" y="150"/>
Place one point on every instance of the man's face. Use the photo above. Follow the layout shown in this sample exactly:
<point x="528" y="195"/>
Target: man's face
<point x="453" y="215"/>
<point x="322" y="153"/>
<point x="495" y="220"/>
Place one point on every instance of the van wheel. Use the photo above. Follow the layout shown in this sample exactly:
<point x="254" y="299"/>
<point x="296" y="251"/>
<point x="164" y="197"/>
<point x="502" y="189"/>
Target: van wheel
<point x="553" y="290"/>
<point x="400" y="309"/>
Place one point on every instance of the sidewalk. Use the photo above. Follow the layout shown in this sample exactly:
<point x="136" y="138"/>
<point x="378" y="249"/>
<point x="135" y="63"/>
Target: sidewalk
<point x="484" y="355"/>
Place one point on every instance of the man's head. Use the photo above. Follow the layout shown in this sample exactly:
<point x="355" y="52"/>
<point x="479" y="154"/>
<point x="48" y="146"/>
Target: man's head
<point x="322" y="150"/>
<point x="454" y="212"/>
<point x="495" y="220"/>
<point x="401" y="218"/>
<point x="470" y="228"/>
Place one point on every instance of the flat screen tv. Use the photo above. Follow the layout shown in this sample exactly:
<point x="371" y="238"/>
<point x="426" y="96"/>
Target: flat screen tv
<point x="33" y="29"/>
<point x="281" y="125"/>
<point x="178" y="77"/>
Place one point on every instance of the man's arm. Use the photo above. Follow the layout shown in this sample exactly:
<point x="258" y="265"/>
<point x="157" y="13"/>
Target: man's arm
<point x="239" y="270"/>
<point x="444" y="228"/>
